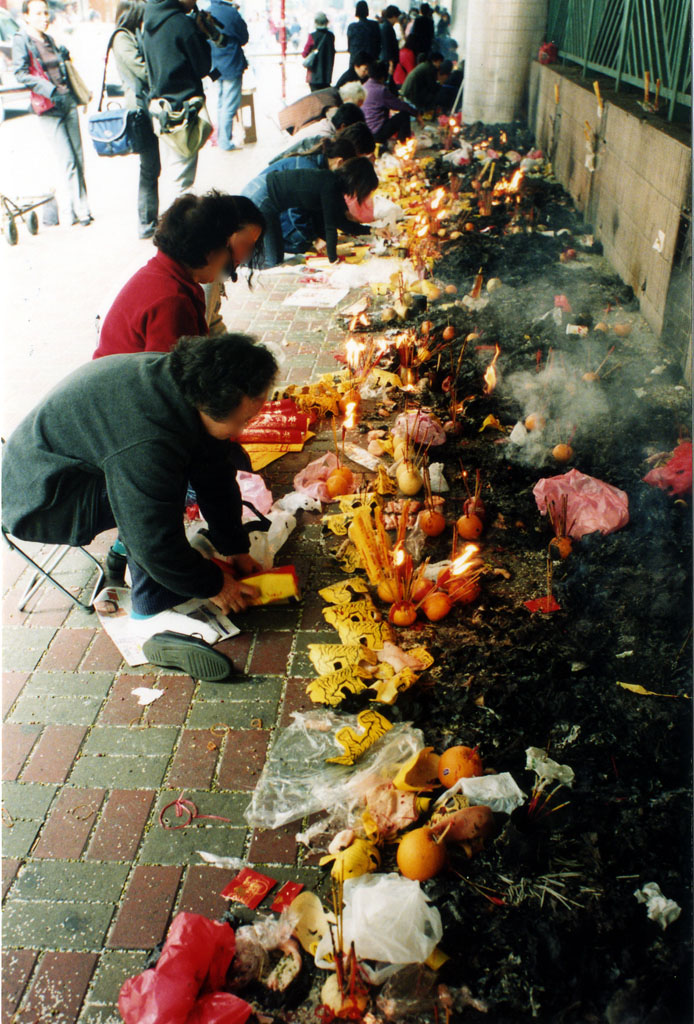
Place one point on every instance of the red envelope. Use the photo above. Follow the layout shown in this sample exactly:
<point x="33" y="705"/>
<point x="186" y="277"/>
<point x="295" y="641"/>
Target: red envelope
<point x="249" y="887"/>
<point x="286" y="895"/>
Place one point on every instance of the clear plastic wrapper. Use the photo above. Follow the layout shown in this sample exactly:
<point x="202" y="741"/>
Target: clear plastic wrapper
<point x="296" y="780"/>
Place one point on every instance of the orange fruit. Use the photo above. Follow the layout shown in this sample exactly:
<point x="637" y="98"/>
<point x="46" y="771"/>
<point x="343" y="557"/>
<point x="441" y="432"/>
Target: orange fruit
<point x="420" y="857"/>
<point x="469" y="527"/>
<point x="459" y="762"/>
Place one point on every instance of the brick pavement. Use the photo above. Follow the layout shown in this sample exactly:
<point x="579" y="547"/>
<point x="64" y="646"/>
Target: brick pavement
<point x="90" y="879"/>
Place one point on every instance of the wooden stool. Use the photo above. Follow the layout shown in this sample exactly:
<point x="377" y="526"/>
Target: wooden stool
<point x="250" y="134"/>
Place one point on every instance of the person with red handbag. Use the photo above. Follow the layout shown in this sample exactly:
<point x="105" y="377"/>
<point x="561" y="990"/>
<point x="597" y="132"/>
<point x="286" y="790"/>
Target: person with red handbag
<point x="40" y="64"/>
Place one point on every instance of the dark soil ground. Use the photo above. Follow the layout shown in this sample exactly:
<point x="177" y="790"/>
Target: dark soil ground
<point x="562" y="938"/>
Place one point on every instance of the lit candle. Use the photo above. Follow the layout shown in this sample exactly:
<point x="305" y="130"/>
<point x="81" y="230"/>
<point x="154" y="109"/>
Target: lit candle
<point x="596" y="88"/>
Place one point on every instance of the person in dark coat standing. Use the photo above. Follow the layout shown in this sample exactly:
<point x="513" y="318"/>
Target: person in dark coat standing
<point x="390" y="51"/>
<point x="116" y="444"/>
<point x="423" y="30"/>
<point x="229" y="60"/>
<point x="320" y="74"/>
<point x="363" y="35"/>
<point x="178" y="57"/>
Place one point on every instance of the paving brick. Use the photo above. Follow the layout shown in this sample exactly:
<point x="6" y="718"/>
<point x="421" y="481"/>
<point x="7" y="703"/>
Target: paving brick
<point x="118" y="742"/>
<point x="12" y="683"/>
<point x="237" y="648"/>
<point x="103" y="655"/>
<point x="113" y="968"/>
<point x="67" y="649"/>
<point x="11" y="615"/>
<point x="22" y="648"/>
<point x="271" y="654"/>
<point x="208" y="714"/>
<point x="268" y="688"/>
<point x="300" y="664"/>
<point x="9" y="872"/>
<point x="121" y="707"/>
<point x="144" y="913"/>
<point x="311" y="611"/>
<point x="215" y="835"/>
<point x="272" y="616"/>
<point x="44" y="708"/>
<point x="19" y="839"/>
<point x="273" y="845"/>
<point x="173" y="707"/>
<point x="17" y="965"/>
<point x="106" y="770"/>
<point x="121" y="825"/>
<point x="201" y="888"/>
<point x="47" y="924"/>
<point x="195" y="760"/>
<point x="69" y="824"/>
<point x="86" y="882"/>
<point x="243" y="759"/>
<point x="27" y="801"/>
<point x="51" y="608"/>
<point x="57" y="989"/>
<point x="53" y="755"/>
<point x="17" y="741"/>
<point x="295" y="699"/>
<point x="92" y="685"/>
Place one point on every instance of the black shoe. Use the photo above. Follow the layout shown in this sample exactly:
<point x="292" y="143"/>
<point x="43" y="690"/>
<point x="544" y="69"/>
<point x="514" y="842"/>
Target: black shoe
<point x="189" y="654"/>
<point x="114" y="573"/>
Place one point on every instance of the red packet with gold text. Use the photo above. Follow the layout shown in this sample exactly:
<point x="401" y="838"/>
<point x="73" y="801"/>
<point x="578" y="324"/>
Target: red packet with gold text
<point x="249" y="887"/>
<point x="286" y="895"/>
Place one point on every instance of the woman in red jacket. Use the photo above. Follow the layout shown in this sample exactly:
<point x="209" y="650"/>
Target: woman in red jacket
<point x="408" y="61"/>
<point x="199" y="240"/>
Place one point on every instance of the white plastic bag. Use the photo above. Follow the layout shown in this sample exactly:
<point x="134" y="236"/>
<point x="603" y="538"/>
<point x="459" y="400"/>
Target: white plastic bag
<point x="266" y="543"/>
<point x="388" y="918"/>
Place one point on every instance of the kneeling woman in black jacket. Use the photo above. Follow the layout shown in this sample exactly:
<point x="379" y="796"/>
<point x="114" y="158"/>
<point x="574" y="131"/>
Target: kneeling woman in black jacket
<point x="320" y="194"/>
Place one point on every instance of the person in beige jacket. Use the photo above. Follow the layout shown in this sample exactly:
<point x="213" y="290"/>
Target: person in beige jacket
<point x="133" y="74"/>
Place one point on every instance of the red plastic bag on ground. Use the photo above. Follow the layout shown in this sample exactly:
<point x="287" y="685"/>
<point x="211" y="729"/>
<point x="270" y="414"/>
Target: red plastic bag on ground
<point x="184" y="986"/>
<point x="675" y="476"/>
<point x="591" y="504"/>
<point x="549" y="54"/>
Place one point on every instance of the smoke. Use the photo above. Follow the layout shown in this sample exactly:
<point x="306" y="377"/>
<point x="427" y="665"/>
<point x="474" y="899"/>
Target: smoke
<point x="555" y="405"/>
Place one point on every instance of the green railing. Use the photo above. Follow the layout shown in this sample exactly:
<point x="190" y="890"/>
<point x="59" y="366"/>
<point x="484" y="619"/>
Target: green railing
<point x="625" y="38"/>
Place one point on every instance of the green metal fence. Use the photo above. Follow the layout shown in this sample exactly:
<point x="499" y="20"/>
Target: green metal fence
<point x="625" y="38"/>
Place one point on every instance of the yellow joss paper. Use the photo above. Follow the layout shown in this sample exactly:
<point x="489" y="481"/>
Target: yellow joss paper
<point x="387" y="690"/>
<point x="491" y="422"/>
<point x="420" y="772"/>
<point x="327" y="658"/>
<point x="637" y="688"/>
<point x="343" y="591"/>
<point x="361" y="857"/>
<point x="372" y="726"/>
<point x="332" y="689"/>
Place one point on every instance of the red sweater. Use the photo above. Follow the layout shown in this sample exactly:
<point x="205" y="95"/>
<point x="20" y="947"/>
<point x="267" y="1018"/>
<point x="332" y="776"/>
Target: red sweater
<point x="407" y="62"/>
<point x="157" y="306"/>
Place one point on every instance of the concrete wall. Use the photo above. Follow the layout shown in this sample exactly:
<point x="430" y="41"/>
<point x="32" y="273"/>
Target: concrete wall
<point x="641" y="181"/>
<point x="503" y="36"/>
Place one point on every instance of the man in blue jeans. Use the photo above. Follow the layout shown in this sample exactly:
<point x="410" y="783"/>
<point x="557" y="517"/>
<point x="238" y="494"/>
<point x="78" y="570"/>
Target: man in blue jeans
<point x="229" y="60"/>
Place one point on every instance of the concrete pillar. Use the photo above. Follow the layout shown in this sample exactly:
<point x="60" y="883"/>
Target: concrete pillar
<point x="503" y="37"/>
<point x="459" y="25"/>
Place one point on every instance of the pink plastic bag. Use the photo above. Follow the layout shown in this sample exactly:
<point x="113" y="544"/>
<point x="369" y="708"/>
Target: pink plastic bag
<point x="184" y="986"/>
<point x="421" y="428"/>
<point x="592" y="505"/>
<point x="253" y="489"/>
<point x="311" y="480"/>
<point x="675" y="476"/>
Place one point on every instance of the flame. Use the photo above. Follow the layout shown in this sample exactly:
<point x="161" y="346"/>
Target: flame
<point x="504" y="187"/>
<point x="490" y="377"/>
<point x="354" y="350"/>
<point x="398" y="556"/>
<point x="350" y="416"/>
<point x="422" y="232"/>
<point x="462" y="563"/>
<point x="437" y="198"/>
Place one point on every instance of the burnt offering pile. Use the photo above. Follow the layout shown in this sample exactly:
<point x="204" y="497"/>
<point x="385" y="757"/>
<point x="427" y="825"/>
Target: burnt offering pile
<point x="503" y="716"/>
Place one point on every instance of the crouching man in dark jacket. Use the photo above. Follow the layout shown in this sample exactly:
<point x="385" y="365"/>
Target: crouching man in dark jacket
<point x="117" y="443"/>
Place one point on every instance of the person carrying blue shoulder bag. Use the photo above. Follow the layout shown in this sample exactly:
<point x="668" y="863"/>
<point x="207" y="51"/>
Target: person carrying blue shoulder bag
<point x="230" y="61"/>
